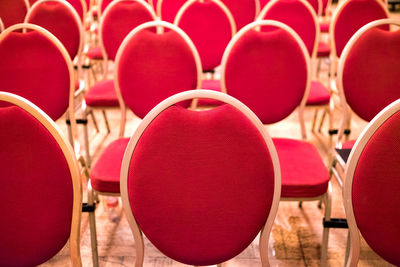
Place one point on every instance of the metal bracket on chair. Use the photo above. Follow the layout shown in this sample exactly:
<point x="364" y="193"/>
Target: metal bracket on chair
<point x="336" y="131"/>
<point x="88" y="208"/>
<point x="335" y="223"/>
<point x="78" y="121"/>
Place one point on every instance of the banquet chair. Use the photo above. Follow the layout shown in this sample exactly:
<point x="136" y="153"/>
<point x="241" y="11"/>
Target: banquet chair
<point x="80" y="7"/>
<point x="300" y="16"/>
<point x="150" y="66"/>
<point x="243" y="11"/>
<point x="255" y="70"/>
<point x="25" y="70"/>
<point x="118" y="19"/>
<point x="371" y="188"/>
<point x="41" y="187"/>
<point x="367" y="82"/>
<point x="167" y="10"/>
<point x="191" y="206"/>
<point x="13" y="11"/>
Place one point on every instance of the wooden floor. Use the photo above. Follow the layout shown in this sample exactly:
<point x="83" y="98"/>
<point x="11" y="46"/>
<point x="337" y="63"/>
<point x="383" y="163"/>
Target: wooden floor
<point x="296" y="235"/>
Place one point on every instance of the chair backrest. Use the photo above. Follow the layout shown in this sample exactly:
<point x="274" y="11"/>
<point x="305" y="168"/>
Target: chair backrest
<point x="41" y="187"/>
<point x="371" y="190"/>
<point x="297" y="14"/>
<point x="62" y="20"/>
<point x="13" y="11"/>
<point x="349" y="17"/>
<point x="167" y="9"/>
<point x="317" y="5"/>
<point x="118" y="19"/>
<point x="268" y="71"/>
<point x="80" y="7"/>
<point x="369" y="69"/>
<point x="151" y="66"/>
<point x="35" y="65"/>
<point x="243" y="11"/>
<point x="191" y="206"/>
<point x="102" y="5"/>
<point x="210" y="25"/>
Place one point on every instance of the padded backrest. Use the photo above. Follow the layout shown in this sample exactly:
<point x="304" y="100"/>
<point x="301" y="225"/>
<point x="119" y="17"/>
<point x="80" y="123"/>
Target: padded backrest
<point x="39" y="186"/>
<point x="267" y="71"/>
<point x="35" y="65"/>
<point x="372" y="187"/>
<point x="153" y="66"/>
<point x="213" y="188"/>
<point x="80" y="7"/>
<point x="167" y="9"/>
<point x="243" y="11"/>
<point x="351" y="16"/>
<point x="370" y="70"/>
<point x="61" y="19"/>
<point x="298" y="15"/>
<point x="104" y="4"/>
<point x="210" y="26"/>
<point x="119" y="18"/>
<point x="13" y="11"/>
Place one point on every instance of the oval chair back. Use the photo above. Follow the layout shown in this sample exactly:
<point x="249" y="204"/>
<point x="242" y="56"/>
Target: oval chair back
<point x="191" y="206"/>
<point x="42" y="195"/>
<point x="168" y="9"/>
<point x="243" y="11"/>
<point x="210" y="25"/>
<point x="80" y="7"/>
<point x="369" y="69"/>
<point x="151" y="66"/>
<point x="371" y="188"/>
<point x="256" y="66"/>
<point x="13" y="11"/>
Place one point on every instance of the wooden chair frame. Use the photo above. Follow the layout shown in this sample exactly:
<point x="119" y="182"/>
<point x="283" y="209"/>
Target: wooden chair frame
<point x="1" y="26"/>
<point x="69" y="155"/>
<point x="195" y="94"/>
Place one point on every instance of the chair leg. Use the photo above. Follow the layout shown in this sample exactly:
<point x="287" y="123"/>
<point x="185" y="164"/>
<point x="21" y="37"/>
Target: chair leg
<point x="321" y="123"/>
<point x="94" y="120"/>
<point x="325" y="235"/>
<point x="263" y="244"/>
<point x="314" y="120"/>
<point x="106" y="121"/>
<point x="92" y="222"/>
<point x="86" y="136"/>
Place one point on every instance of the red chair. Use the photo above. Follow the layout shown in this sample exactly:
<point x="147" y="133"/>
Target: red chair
<point x="191" y="206"/>
<point x="13" y="11"/>
<point x="1" y="26"/>
<point x="243" y="11"/>
<point x="150" y="67"/>
<point x="371" y="188"/>
<point x="167" y="9"/>
<point x="25" y="68"/>
<point x="300" y="16"/>
<point x="80" y="7"/>
<point x="42" y="194"/>
<point x="102" y="5"/>
<point x="255" y="67"/>
<point x="119" y="18"/>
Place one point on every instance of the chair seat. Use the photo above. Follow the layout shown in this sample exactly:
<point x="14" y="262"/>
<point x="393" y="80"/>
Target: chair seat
<point x="102" y="94"/>
<point x="348" y="144"/>
<point x="324" y="27"/>
<point x="95" y="53"/>
<point x="106" y="172"/>
<point x="214" y="85"/>
<point x="319" y="95"/>
<point x="303" y="171"/>
<point x="323" y="50"/>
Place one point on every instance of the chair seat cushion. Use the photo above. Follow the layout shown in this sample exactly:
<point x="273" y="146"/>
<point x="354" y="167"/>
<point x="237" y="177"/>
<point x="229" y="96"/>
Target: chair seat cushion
<point x="324" y="27"/>
<point x="319" y="95"/>
<point x="106" y="172"/>
<point x="304" y="174"/>
<point x="94" y="53"/>
<point x="214" y="85"/>
<point x="102" y="94"/>
<point x="323" y="50"/>
<point x="348" y="144"/>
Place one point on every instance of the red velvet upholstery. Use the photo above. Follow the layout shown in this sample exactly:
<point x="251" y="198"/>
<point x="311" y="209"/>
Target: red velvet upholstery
<point x="58" y="19"/>
<point x="324" y="50"/>
<point x="303" y="171"/>
<point x="324" y="27"/>
<point x="37" y="195"/>
<point x="106" y="172"/>
<point x="104" y="4"/>
<point x="26" y="70"/>
<point x="209" y="28"/>
<point x="153" y="67"/>
<point x="348" y="144"/>
<point x="169" y="8"/>
<point x="102" y="94"/>
<point x="95" y="53"/>
<point x="315" y="5"/>
<point x="371" y="72"/>
<point x="214" y="85"/>
<point x="296" y="15"/>
<point x="263" y="3"/>
<point x="319" y="95"/>
<point x="212" y="189"/>
<point x="120" y="20"/>
<point x="77" y="4"/>
<point x="12" y="12"/>
<point x="243" y="11"/>
<point x="376" y="191"/>
<point x="31" y="2"/>
<point x="354" y="15"/>
<point x="267" y="72"/>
